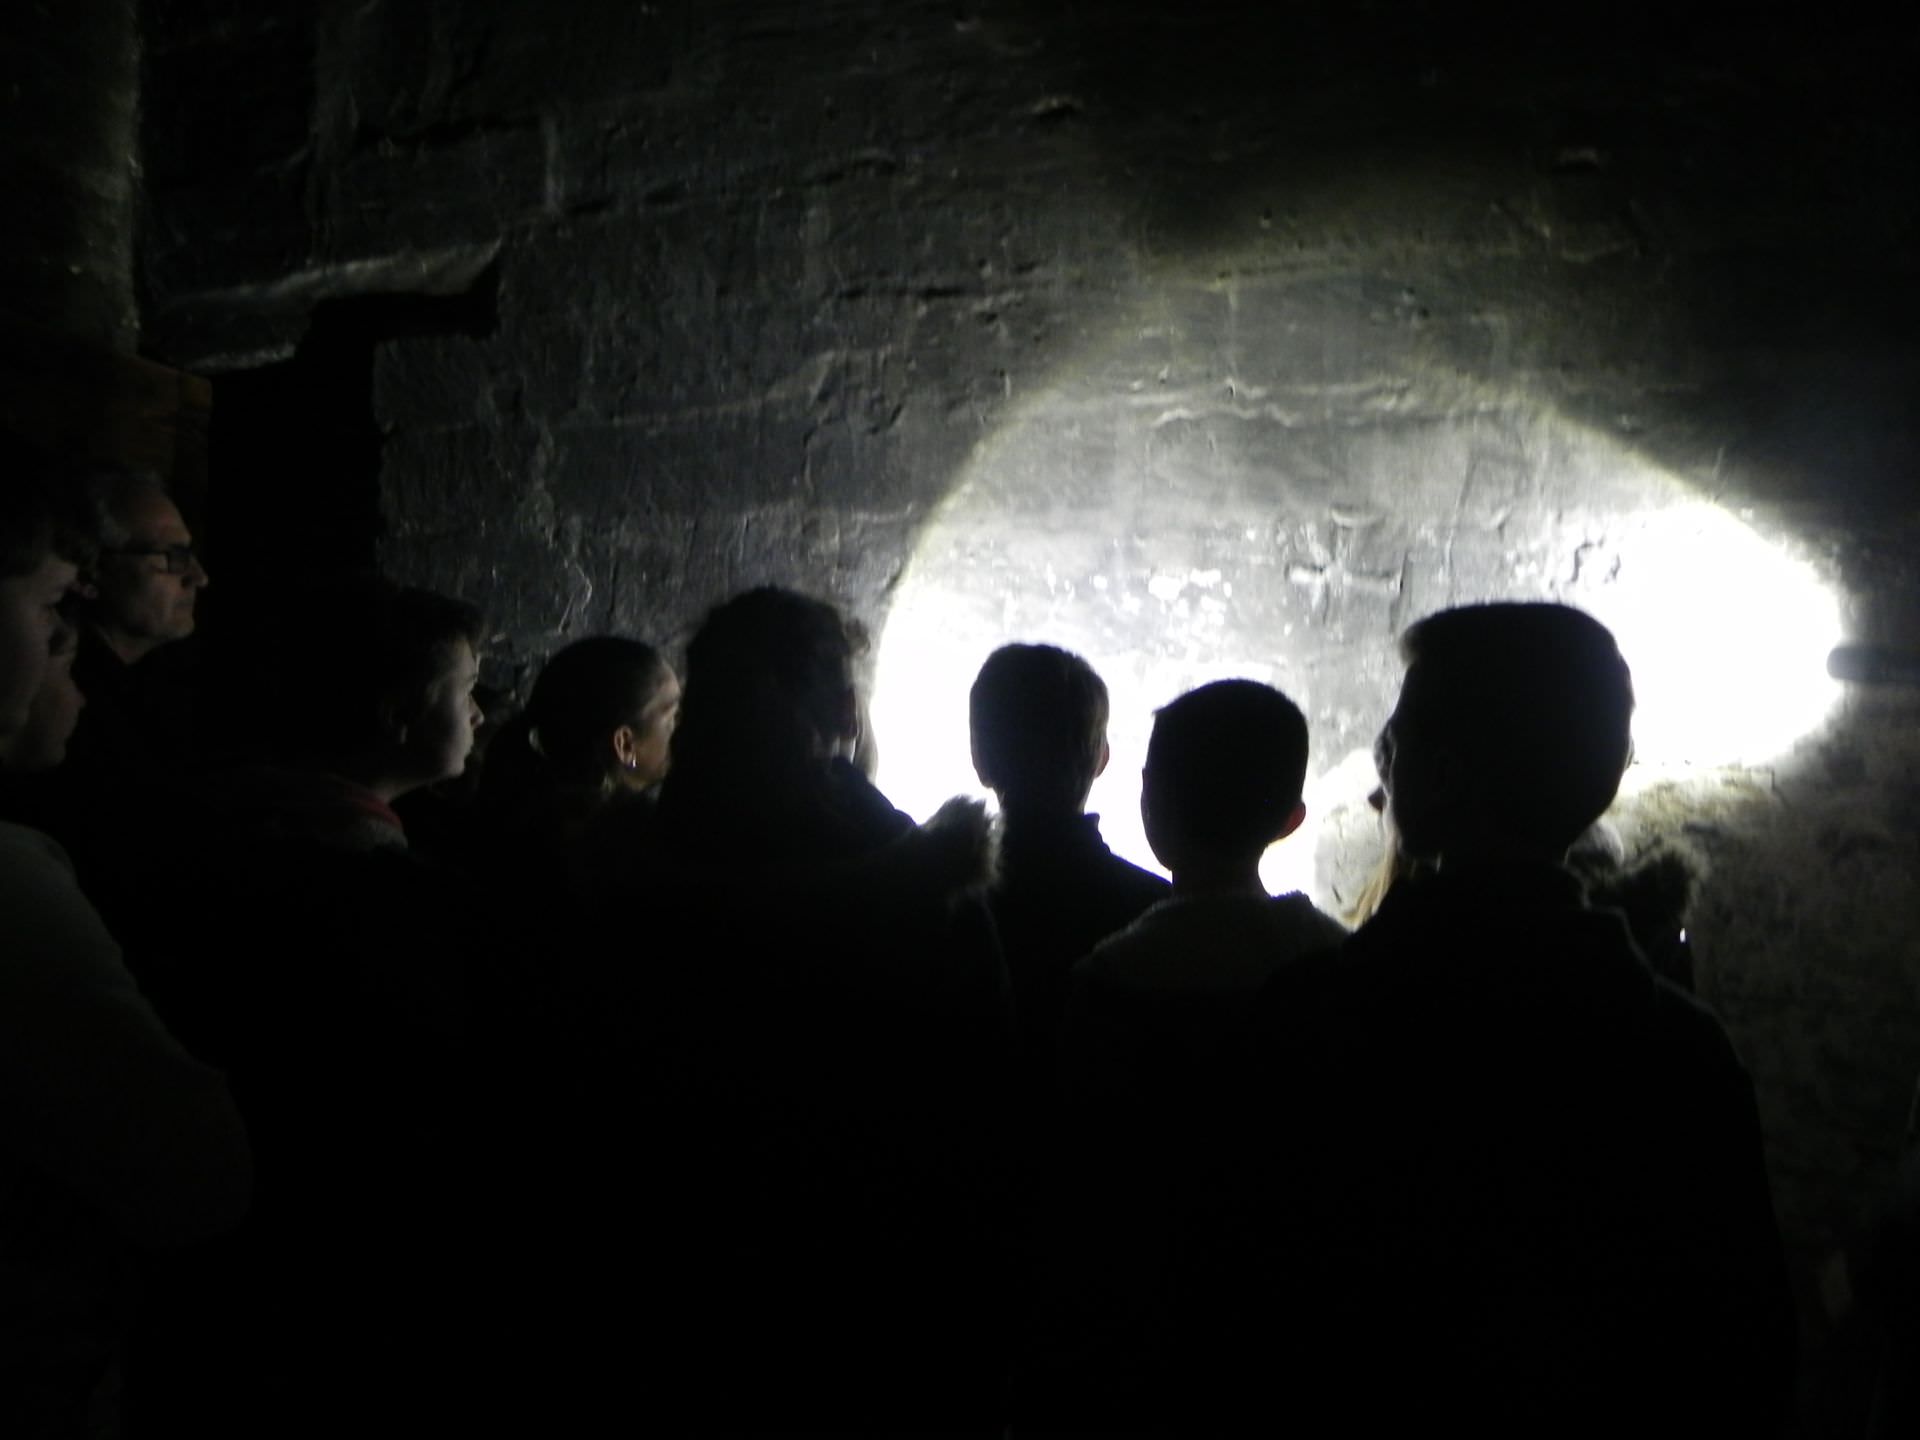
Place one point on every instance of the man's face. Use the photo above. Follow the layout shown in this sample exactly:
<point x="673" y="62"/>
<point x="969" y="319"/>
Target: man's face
<point x="29" y="620"/>
<point x="140" y="606"/>
<point x="439" y="739"/>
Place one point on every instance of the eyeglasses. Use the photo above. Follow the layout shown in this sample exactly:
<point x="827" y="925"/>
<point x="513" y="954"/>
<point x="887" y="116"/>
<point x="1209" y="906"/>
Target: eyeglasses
<point x="174" y="559"/>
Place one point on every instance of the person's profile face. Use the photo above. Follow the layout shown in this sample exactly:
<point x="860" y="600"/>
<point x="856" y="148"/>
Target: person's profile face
<point x="41" y="743"/>
<point x="1410" y="774"/>
<point x="440" y="737"/>
<point x="145" y="593"/>
<point x="653" y="732"/>
<point x="30" y="620"/>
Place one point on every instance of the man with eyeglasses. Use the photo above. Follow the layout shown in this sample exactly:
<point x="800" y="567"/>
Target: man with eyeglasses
<point x="137" y="596"/>
<point x="136" y="739"/>
<point x="142" y="589"/>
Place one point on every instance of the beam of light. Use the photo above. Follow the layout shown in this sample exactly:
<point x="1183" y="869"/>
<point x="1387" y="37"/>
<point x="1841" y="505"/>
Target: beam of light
<point x="1186" y="570"/>
<point x="1727" y="636"/>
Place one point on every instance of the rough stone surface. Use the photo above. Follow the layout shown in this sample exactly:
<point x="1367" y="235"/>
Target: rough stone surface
<point x="1069" y="318"/>
<point x="69" y="136"/>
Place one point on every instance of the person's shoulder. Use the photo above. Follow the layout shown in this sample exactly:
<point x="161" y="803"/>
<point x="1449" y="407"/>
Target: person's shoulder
<point x="1133" y="881"/>
<point x="32" y="865"/>
<point x="1123" y="950"/>
<point x="26" y="843"/>
<point x="1688" y="1029"/>
<point x="56" y="938"/>
<point x="1305" y="925"/>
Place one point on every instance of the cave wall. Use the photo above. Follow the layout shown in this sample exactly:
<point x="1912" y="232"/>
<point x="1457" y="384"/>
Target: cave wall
<point x="69" y="99"/>
<point x="736" y="292"/>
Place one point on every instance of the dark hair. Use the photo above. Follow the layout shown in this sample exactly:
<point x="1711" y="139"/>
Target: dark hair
<point x="766" y="682"/>
<point x="1231" y="759"/>
<point x="351" y="653"/>
<point x="1038" y="715"/>
<point x="1535" y="698"/>
<point x="583" y="694"/>
<point x="28" y="517"/>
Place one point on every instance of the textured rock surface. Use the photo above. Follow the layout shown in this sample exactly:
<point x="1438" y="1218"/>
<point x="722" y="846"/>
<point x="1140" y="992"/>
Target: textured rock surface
<point x="1356" y="313"/>
<point x="69" y="134"/>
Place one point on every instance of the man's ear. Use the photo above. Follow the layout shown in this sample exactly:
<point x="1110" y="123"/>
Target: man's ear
<point x="1294" y="817"/>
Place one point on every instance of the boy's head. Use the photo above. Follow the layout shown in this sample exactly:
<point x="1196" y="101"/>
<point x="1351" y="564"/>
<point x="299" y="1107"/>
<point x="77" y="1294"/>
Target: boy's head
<point x="1039" y="722"/>
<point x="1512" y="730"/>
<point x="770" y="686"/>
<point x="1224" y="773"/>
<point x="376" y="681"/>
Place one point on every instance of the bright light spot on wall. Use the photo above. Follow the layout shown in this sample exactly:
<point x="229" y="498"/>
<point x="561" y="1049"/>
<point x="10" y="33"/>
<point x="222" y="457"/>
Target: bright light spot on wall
<point x="1727" y="635"/>
<point x="1167" y="561"/>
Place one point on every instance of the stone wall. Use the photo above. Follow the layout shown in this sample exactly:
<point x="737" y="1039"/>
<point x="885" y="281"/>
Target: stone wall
<point x="69" y="96"/>
<point x="1356" y="312"/>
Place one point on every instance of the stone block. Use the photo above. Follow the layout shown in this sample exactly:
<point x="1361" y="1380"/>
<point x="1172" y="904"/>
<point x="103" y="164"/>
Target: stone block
<point x="484" y="480"/>
<point x="230" y="101"/>
<point x="709" y="466"/>
<point x="659" y="313"/>
<point x="431" y="381"/>
<point x="415" y="195"/>
<point x="414" y="67"/>
<point x="226" y="233"/>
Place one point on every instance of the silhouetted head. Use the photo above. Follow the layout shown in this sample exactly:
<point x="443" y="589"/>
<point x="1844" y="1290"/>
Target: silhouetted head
<point x="601" y="713"/>
<point x="1224" y="772"/>
<point x="374" y="681"/>
<point x="769" y="688"/>
<point x="142" y="584"/>
<point x="35" y="577"/>
<point x="1038" y="716"/>
<point x="1511" y="732"/>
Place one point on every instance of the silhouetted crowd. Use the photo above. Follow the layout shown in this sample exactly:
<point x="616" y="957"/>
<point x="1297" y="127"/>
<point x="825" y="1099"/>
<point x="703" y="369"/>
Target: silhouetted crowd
<point x="658" y="1072"/>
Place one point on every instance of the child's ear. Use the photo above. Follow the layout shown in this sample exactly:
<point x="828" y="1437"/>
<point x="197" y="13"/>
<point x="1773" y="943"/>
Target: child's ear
<point x="1294" y="817"/>
<point x="1106" y="754"/>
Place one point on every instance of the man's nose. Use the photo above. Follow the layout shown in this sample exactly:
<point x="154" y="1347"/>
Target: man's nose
<point x="197" y="573"/>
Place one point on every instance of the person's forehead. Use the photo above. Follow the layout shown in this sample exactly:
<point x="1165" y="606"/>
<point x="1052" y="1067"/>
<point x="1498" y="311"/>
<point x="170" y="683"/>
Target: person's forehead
<point x="459" y="661"/>
<point x="153" y="518"/>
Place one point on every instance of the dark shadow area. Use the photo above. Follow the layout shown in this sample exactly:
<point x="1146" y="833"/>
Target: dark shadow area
<point x="294" y="470"/>
<point x="294" y="454"/>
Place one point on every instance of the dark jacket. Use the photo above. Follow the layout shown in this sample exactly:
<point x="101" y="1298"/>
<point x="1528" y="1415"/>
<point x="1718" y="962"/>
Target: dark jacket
<point x="1494" y="1171"/>
<point x="325" y="968"/>
<point x="797" y="1089"/>
<point x="1058" y="891"/>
